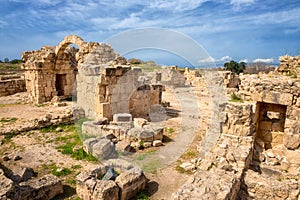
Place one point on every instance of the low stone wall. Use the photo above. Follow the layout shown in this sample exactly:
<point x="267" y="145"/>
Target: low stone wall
<point x="12" y="86"/>
<point x="221" y="172"/>
<point x="38" y="123"/>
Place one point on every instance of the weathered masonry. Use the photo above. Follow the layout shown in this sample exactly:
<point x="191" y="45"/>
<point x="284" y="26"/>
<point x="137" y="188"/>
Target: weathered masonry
<point x="102" y="83"/>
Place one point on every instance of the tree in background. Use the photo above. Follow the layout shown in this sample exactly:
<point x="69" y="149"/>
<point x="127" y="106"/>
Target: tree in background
<point x="6" y="60"/>
<point x="135" y="61"/>
<point x="235" y="67"/>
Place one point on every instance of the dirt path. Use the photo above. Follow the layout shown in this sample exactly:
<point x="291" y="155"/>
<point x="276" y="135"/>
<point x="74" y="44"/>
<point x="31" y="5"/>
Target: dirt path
<point x="192" y="124"/>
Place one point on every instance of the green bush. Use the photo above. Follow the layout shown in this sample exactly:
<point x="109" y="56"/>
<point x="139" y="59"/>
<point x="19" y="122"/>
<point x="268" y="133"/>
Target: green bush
<point x="235" y="98"/>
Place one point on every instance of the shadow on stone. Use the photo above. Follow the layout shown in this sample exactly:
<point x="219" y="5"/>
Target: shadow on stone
<point x="151" y="188"/>
<point x="68" y="192"/>
<point x="167" y="139"/>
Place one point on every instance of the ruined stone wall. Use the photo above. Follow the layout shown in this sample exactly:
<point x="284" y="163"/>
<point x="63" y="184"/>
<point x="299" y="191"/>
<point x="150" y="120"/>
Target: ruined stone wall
<point x="51" y="71"/>
<point x="221" y="171"/>
<point x="280" y="94"/>
<point x="46" y="76"/>
<point x="120" y="90"/>
<point x="172" y="76"/>
<point x="12" y="86"/>
<point x="289" y="65"/>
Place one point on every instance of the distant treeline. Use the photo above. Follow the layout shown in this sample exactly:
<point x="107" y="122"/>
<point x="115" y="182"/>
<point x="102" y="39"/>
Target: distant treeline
<point x="14" y="61"/>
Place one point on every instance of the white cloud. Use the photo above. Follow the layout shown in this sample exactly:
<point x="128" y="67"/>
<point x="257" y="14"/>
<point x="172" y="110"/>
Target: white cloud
<point x="213" y="60"/>
<point x="264" y="60"/>
<point x="179" y="5"/>
<point x="39" y="2"/>
<point x="206" y="60"/>
<point x="246" y="60"/>
<point x="225" y="58"/>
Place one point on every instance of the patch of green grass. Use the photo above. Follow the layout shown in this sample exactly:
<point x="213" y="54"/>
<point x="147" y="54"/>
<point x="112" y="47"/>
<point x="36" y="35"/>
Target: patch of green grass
<point x="76" y="167"/>
<point x="143" y="155"/>
<point x="170" y="130"/>
<point x="48" y="129"/>
<point x="9" y="136"/>
<point x="78" y="126"/>
<point x="65" y="128"/>
<point x="189" y="155"/>
<point x="179" y="169"/>
<point x="10" y="66"/>
<point x="53" y="169"/>
<point x="148" y="67"/>
<point x="72" y="181"/>
<point x="61" y="172"/>
<point x="152" y="167"/>
<point x="68" y="148"/>
<point x="142" y="196"/>
<point x="235" y="98"/>
<point x="6" y="120"/>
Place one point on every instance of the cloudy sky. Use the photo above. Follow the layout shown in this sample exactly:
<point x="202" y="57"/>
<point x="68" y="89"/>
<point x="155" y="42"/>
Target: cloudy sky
<point x="248" y="30"/>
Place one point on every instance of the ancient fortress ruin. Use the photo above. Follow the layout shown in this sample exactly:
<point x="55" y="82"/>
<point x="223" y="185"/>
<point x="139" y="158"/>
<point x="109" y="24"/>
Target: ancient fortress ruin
<point x="101" y="82"/>
<point x="249" y="150"/>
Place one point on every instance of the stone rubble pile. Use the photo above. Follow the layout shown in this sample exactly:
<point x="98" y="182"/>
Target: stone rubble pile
<point x="22" y="186"/>
<point x="220" y="172"/>
<point x="117" y="179"/>
<point x="125" y="136"/>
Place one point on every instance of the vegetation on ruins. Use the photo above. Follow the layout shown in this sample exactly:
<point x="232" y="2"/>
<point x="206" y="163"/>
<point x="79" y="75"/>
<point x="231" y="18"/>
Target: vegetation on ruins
<point x="235" y="67"/>
<point x="235" y="98"/>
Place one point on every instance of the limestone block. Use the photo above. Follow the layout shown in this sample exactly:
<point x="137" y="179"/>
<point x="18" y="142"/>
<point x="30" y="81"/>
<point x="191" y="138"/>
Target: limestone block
<point x="298" y="102"/>
<point x="106" y="190"/>
<point x="45" y="187"/>
<point x="6" y="186"/>
<point x="88" y="145"/>
<point x="278" y="98"/>
<point x="291" y="141"/>
<point x="130" y="183"/>
<point x="146" y="136"/>
<point x="104" y="110"/>
<point x="277" y="138"/>
<point x="104" y="149"/>
<point x="91" y="128"/>
<point x="122" y="117"/>
<point x="139" y="122"/>
<point x="157" y="143"/>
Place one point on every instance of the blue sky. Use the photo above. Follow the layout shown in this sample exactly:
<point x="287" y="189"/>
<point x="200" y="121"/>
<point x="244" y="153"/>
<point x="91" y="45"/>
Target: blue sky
<point x="248" y="30"/>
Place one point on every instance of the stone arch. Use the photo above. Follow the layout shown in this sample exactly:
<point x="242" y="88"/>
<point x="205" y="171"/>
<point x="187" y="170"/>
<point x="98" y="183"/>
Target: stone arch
<point x="70" y="39"/>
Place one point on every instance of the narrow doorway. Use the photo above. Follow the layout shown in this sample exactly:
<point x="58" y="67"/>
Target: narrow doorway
<point x="60" y="83"/>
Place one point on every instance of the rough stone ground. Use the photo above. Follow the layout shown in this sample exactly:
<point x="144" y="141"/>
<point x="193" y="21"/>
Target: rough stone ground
<point x="38" y="149"/>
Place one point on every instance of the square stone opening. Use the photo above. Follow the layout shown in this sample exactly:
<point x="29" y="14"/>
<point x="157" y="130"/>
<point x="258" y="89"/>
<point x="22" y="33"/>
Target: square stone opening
<point x="60" y="82"/>
<point x="270" y="120"/>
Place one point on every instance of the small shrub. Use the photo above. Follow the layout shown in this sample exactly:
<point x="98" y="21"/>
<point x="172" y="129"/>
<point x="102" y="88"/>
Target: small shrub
<point x="235" y="98"/>
<point x="189" y="155"/>
<point x="142" y="196"/>
<point x="292" y="74"/>
<point x="63" y="172"/>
